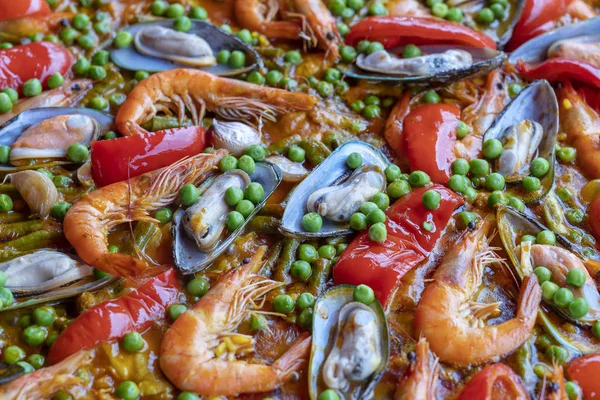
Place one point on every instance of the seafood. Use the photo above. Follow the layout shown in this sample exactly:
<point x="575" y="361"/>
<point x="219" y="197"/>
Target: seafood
<point x="89" y="220"/>
<point x="421" y="379"/>
<point x="259" y="16"/>
<point x="179" y="89"/>
<point x="431" y="64"/>
<point x="454" y="326"/>
<point x="290" y="171"/>
<point x="192" y="356"/>
<point x="37" y="190"/>
<point x="407" y="8"/>
<point x="234" y="136"/>
<point x="585" y="48"/>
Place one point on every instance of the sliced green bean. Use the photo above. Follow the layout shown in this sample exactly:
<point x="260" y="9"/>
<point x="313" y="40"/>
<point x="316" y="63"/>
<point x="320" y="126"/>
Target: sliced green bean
<point x="264" y="224"/>
<point x="49" y="237"/>
<point x="18" y="229"/>
<point x="316" y="151"/>
<point x="143" y="233"/>
<point x="524" y="365"/>
<point x="336" y="240"/>
<point x="10" y="217"/>
<point x="284" y="144"/>
<point x="159" y="123"/>
<point x="320" y="276"/>
<point x="8" y="188"/>
<point x="288" y="256"/>
<point x="269" y="263"/>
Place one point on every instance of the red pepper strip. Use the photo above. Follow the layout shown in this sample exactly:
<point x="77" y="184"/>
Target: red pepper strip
<point x="395" y="124"/>
<point x="496" y="381"/>
<point x="135" y="311"/>
<point x="408" y="243"/>
<point x="129" y="156"/>
<point x="538" y="17"/>
<point x="35" y="60"/>
<point x="13" y="9"/>
<point x="561" y="69"/>
<point x="584" y="370"/>
<point x="394" y="31"/>
<point x="594" y="218"/>
<point x="430" y="136"/>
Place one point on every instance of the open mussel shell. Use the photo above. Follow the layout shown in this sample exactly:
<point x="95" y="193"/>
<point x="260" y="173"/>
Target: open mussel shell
<point x="330" y="172"/>
<point x="188" y="257"/>
<point x="535" y="50"/>
<point x="535" y="103"/>
<point x="484" y="61"/>
<point x="330" y="305"/>
<point x="131" y="59"/>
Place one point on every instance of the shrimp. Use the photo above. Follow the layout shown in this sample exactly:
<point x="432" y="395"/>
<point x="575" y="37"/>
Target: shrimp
<point x="67" y="94"/>
<point x="394" y="125"/>
<point x="581" y="10"/>
<point x="454" y="326"/>
<point x="37" y="24"/>
<point x="179" y="89"/>
<point x="89" y="220"/>
<point x="322" y="25"/>
<point x="407" y="8"/>
<point x="421" y="379"/>
<point x="588" y="52"/>
<point x="198" y="351"/>
<point x="259" y="15"/>
<point x="582" y="126"/>
<point x="480" y="116"/>
<point x="553" y="386"/>
<point x="43" y="383"/>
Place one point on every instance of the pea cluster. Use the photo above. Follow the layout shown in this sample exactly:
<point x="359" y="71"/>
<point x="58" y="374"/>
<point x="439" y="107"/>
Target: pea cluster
<point x="495" y="10"/>
<point x="441" y="10"/>
<point x="370" y="106"/>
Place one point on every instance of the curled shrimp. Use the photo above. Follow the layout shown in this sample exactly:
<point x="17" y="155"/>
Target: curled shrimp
<point x="178" y="90"/>
<point x="198" y="351"/>
<point x="455" y="326"/>
<point x="421" y="379"/>
<point x="89" y="220"/>
<point x="36" y="24"/>
<point x="43" y="383"/>
<point x="259" y="16"/>
<point x="322" y="25"/>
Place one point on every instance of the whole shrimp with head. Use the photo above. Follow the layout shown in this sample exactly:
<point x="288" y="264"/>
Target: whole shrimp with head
<point x="421" y="379"/>
<point x="89" y="220"/>
<point x="456" y="327"/>
<point x="179" y="90"/>
<point x="198" y="352"/>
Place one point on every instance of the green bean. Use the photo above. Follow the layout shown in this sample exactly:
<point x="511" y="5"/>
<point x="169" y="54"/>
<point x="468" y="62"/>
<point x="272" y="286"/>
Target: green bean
<point x="554" y="214"/>
<point x="335" y="240"/>
<point x="159" y="123"/>
<point x="264" y="224"/>
<point x="288" y="256"/>
<point x="524" y="366"/>
<point x="335" y="140"/>
<point x="49" y="237"/>
<point x="269" y="263"/>
<point x="18" y="229"/>
<point x="113" y="82"/>
<point x="143" y="233"/>
<point x="284" y="144"/>
<point x="10" y="217"/>
<point x="8" y="188"/>
<point x="272" y="210"/>
<point x="320" y="276"/>
<point x="316" y="151"/>
<point x="7" y="255"/>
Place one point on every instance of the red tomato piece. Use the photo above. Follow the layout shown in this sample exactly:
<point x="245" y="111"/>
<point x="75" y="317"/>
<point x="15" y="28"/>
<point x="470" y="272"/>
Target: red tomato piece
<point x="135" y="311"/>
<point x="129" y="156"/>
<point x="561" y="69"/>
<point x="496" y="381"/>
<point x="395" y="31"/>
<point x="584" y="370"/>
<point x="35" y="60"/>
<point x="13" y="9"/>
<point x="408" y="243"/>
<point x="430" y="134"/>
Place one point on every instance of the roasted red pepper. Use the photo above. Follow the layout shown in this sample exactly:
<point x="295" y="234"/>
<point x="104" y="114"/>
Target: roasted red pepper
<point x="408" y="243"/>
<point x="135" y="311"/>
<point x="395" y="125"/>
<point x="395" y="31"/>
<point x="496" y="381"/>
<point x="123" y="158"/>
<point x="538" y="17"/>
<point x="561" y="69"/>
<point x="584" y="370"/>
<point x="13" y="9"/>
<point x="430" y="134"/>
<point x="35" y="60"/>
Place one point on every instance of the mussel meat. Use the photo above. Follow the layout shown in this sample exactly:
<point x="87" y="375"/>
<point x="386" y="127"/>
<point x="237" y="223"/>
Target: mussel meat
<point x="520" y="144"/>
<point x="431" y="64"/>
<point x="234" y="136"/>
<point x="585" y="48"/>
<point x="290" y="171"/>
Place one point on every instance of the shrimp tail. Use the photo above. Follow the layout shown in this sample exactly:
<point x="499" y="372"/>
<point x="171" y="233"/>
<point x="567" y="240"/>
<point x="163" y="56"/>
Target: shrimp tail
<point x="529" y="299"/>
<point x="291" y="361"/>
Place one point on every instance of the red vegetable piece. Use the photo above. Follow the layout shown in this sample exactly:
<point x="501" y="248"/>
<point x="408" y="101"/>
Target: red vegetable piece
<point x="594" y="217"/>
<point x="561" y="69"/>
<point x="496" y="381"/>
<point x="35" y="60"/>
<point x="129" y="156"/>
<point x="135" y="311"/>
<point x="538" y="17"/>
<point x="13" y="9"/>
<point x="395" y="125"/>
<point x="395" y="31"/>
<point x="430" y="134"/>
<point x="584" y="371"/>
<point x="408" y="243"/>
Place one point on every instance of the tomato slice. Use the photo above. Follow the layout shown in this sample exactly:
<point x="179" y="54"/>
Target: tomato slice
<point x="13" y="9"/>
<point x="35" y="60"/>
<point x="584" y="370"/>
<point x="430" y="135"/>
<point x="135" y="311"/>
<point x="494" y="382"/>
<point x="413" y="232"/>
<point x="129" y="156"/>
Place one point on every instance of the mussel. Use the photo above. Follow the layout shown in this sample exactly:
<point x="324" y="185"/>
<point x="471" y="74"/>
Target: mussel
<point x="189" y="257"/>
<point x="38" y="191"/>
<point x="158" y="47"/>
<point x="335" y="191"/>
<point x="545" y="46"/>
<point x="527" y="129"/>
<point x="233" y="136"/>
<point x="47" y="133"/>
<point x="290" y="171"/>
<point x="350" y="345"/>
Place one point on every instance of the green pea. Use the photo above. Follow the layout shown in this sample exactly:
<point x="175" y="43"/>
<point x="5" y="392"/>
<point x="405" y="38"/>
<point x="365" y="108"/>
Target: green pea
<point x="198" y="13"/>
<point x="354" y="160"/>
<point x="336" y="6"/>
<point x="68" y="35"/>
<point x="563" y="297"/>
<point x="372" y="100"/>
<point x="458" y="183"/>
<point x="455" y="14"/>
<point x="566" y="154"/>
<point x="431" y="199"/>
<point x="256" y="78"/>
<point x="355" y="4"/>
<point x="258" y="322"/>
<point x="246" y="164"/>
<point x="297" y="154"/>
<point x="293" y="57"/>
<point x="467" y="220"/>
<point x="234" y="220"/>
<point x="254" y="192"/>
<point x="197" y="287"/>
<point x="332" y="75"/>
<point x="392" y="173"/>
<point x="228" y="163"/>
<point x="100" y="274"/>
<point x="226" y="28"/>
<point x="113" y="249"/>
<point x="164" y="215"/>
<point x="13" y="354"/>
<point x="128" y="390"/>
<point x="381" y="200"/>
<point x="549" y="289"/>
<point x="12" y="94"/>
<point x="3" y="278"/>
<point x="34" y="335"/>
<point x="494" y="181"/>
<point x="375" y="47"/>
<point x="175" y="10"/>
<point x="531" y="183"/>
<point x="59" y="209"/>
<point x="516" y="203"/>
<point x="257" y="152"/>
<point x="102" y="28"/>
<point x="376" y="8"/>
<point x="305" y="318"/>
<point x="55" y="80"/>
<point x="576" y="277"/>
<point x="141" y="75"/>
<point x="557" y="353"/>
<point x="223" y="57"/>
<point x="546" y="237"/>
<point x="274" y="77"/>
<point x="411" y="51"/>
<point x="339" y="248"/>
<point x="358" y="221"/>
<point x="367" y="207"/>
<point x="479" y="167"/>
<point x="305" y="300"/>
<point x="98" y="103"/>
<point x="188" y="195"/>
<point x="81" y="21"/>
<point x="283" y="304"/>
<point x="462" y="130"/>
<point x="418" y="179"/>
<point x="132" y="342"/>
<point x="81" y="67"/>
<point x="363" y="294"/>
<point x="440" y="10"/>
<point x="6" y="203"/>
<point x="32" y="88"/>
<point x="244" y="35"/>
<point x="44" y="316"/>
<point x="326" y="251"/>
<point x="312" y="222"/>
<point x="308" y="253"/>
<point x="372" y="111"/>
<point x="328" y="394"/>
<point x="233" y="195"/>
<point x="188" y="396"/>
<point x="176" y="310"/>
<point x="237" y="59"/>
<point x="543" y="274"/>
<point x="348" y="54"/>
<point x="492" y="148"/>
<point x="77" y="152"/>
<point x="514" y="89"/>
<point x="325" y="89"/>
<point x="572" y="388"/>
<point x="62" y="395"/>
<point x="579" y="308"/>
<point x="122" y="39"/>
<point x="376" y="216"/>
<point x="496" y="197"/>
<point x="378" y="232"/>
<point x="431" y="97"/>
<point x="301" y="270"/>
<point x="6" y="104"/>
<point x="460" y="166"/>
<point x="596" y="330"/>
<point x="575" y="216"/>
<point x="363" y="46"/>
<point x="485" y="16"/>
<point x="36" y="360"/>
<point x="539" y="167"/>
